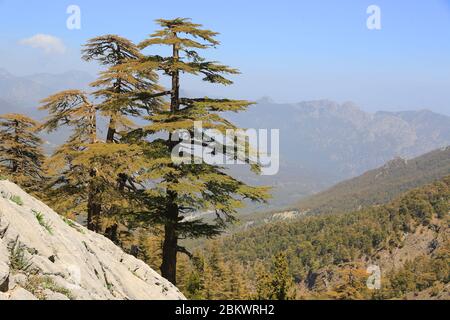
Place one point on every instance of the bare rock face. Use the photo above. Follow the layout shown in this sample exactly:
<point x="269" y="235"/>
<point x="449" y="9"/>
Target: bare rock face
<point x="43" y="256"/>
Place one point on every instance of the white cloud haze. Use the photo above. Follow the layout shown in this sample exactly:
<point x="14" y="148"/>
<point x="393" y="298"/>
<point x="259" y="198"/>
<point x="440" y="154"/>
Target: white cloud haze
<point x="47" y="43"/>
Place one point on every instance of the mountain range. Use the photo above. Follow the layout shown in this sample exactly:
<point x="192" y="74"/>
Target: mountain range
<point x="373" y="188"/>
<point x="24" y="92"/>
<point x="321" y="142"/>
<point x="324" y="142"/>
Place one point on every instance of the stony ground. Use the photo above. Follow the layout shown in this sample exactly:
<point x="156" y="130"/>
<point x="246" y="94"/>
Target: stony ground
<point x="43" y="256"/>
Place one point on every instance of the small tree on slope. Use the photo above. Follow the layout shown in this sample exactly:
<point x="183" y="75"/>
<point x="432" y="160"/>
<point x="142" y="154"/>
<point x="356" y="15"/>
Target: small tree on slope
<point x="21" y="156"/>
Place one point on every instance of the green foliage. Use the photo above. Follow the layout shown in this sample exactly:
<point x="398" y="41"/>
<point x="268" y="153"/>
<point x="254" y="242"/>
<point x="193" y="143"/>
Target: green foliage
<point x="420" y="274"/>
<point x="208" y="276"/>
<point x="331" y="244"/>
<point x="17" y="200"/>
<point x="21" y="156"/>
<point x="17" y="258"/>
<point x="38" y="284"/>
<point x="41" y="219"/>
<point x="85" y="171"/>
<point x="277" y="284"/>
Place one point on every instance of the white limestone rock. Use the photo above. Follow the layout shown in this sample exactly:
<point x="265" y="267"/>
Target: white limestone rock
<point x="68" y="257"/>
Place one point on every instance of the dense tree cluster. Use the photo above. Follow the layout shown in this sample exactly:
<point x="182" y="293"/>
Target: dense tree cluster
<point x="337" y="246"/>
<point x="126" y="185"/>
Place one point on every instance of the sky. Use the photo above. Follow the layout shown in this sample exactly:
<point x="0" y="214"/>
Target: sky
<point x="288" y="50"/>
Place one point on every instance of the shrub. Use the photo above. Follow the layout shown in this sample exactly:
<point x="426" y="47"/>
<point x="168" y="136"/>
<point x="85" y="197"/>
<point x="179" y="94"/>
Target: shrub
<point x="37" y="284"/>
<point x="17" y="200"/>
<point x="18" y="260"/>
<point x="41" y="219"/>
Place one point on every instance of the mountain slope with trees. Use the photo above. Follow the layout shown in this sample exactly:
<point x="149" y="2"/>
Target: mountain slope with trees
<point x="328" y="255"/>
<point x="381" y="185"/>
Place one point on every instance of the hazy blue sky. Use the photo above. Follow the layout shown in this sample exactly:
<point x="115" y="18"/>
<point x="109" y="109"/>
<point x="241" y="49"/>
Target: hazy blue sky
<point x="288" y="50"/>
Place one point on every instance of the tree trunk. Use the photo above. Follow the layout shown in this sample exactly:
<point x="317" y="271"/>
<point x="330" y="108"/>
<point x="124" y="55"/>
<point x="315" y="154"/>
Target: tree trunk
<point x="111" y="131"/>
<point x="94" y="206"/>
<point x="170" y="245"/>
<point x="112" y="233"/>
<point x="94" y="210"/>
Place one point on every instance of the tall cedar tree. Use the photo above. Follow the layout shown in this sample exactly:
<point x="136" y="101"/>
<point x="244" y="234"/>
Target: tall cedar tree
<point x="118" y="88"/>
<point x="21" y="156"/>
<point x="84" y="170"/>
<point x="277" y="284"/>
<point x="120" y="92"/>
<point x="181" y="189"/>
<point x="97" y="176"/>
<point x="73" y="181"/>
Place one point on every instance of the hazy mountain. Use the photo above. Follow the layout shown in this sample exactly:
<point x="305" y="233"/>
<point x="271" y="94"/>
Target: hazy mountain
<point x="381" y="185"/>
<point x="340" y="141"/>
<point x="27" y="91"/>
<point x="343" y="140"/>
<point x="322" y="142"/>
<point x="374" y="187"/>
<point x="71" y="79"/>
<point x="7" y="107"/>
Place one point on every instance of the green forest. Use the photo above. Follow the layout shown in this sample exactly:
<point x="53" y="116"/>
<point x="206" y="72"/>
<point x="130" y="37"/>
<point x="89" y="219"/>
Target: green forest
<point x="341" y="244"/>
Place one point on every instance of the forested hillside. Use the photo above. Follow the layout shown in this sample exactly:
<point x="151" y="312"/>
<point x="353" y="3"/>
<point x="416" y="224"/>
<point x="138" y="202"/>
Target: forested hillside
<point x="375" y="187"/>
<point x="381" y="185"/>
<point x="327" y="255"/>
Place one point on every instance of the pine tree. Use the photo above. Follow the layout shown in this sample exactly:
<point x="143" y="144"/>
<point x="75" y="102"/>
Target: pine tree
<point x="21" y="156"/>
<point x="84" y="170"/>
<point x="124" y="94"/>
<point x="119" y="87"/>
<point x="263" y="282"/>
<point x="180" y="189"/>
<point x="282" y="284"/>
<point x="73" y="182"/>
<point x="276" y="284"/>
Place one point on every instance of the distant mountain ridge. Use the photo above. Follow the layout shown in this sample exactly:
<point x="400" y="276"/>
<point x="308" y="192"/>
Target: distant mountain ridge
<point x="375" y="187"/>
<point x="322" y="142"/>
<point x="381" y="185"/>
<point x="345" y="140"/>
<point x="26" y="91"/>
<point x="339" y="141"/>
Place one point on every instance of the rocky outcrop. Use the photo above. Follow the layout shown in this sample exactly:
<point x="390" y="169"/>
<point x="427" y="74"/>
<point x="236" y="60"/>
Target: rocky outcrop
<point x="46" y="257"/>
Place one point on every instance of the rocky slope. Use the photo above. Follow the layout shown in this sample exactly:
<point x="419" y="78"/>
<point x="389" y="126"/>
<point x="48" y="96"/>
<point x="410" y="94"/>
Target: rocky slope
<point x="43" y="256"/>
